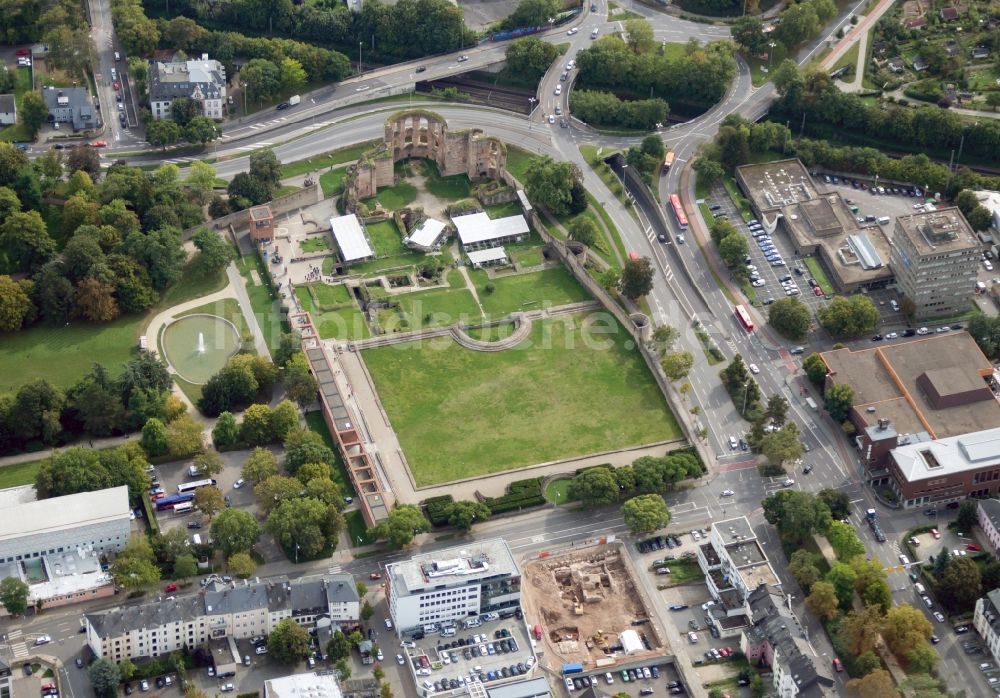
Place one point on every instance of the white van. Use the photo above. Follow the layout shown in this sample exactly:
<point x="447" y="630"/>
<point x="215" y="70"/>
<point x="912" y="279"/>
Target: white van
<point x="448" y="632"/>
<point x="920" y="588"/>
<point x="196" y="539"/>
<point x="882" y="220"/>
<point x="905" y="560"/>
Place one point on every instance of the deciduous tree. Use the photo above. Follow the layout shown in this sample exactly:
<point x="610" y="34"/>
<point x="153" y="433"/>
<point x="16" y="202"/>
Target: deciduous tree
<point x="796" y="514"/>
<point x="241" y="565"/>
<point x="104" y="677"/>
<point x="844" y="541"/>
<point x="15" y="304"/>
<point x="637" y="278"/>
<point x="25" y="238"/>
<point x="288" y="643"/>
<point x="259" y="466"/>
<point x="783" y="445"/>
<point x="549" y="183"/>
<point x="300" y="385"/>
<point x="226" y="432"/>
<point x="904" y="629"/>
<point x="235" y="531"/>
<point x="802" y="566"/>
<point x="645" y="513"/>
<point x="463" y="514"/>
<point x="583" y="230"/>
<point x="594" y="487"/>
<point x="838" y="401"/>
<point x="861" y="628"/>
<point x="33" y="112"/>
<point x="209" y="501"/>
<point x="14" y="595"/>
<point x="877" y="684"/>
<point x="822" y="600"/>
<point x="403" y="523"/>
<point x="261" y="78"/>
<point x="960" y="585"/>
<point x="848" y="316"/>
<point x="305" y="525"/>
<point x="790" y="317"/>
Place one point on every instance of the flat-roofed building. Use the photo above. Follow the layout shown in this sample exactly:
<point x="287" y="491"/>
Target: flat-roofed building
<point x="914" y="393"/>
<point x="352" y="243"/>
<point x="772" y="186"/>
<point x="935" y="257"/>
<point x="477" y="231"/>
<point x="319" y="684"/>
<point x="855" y="258"/>
<point x="448" y="585"/>
<point x="489" y="257"/>
<point x="946" y="470"/>
<point x="734" y="564"/>
<point x="261" y="223"/>
<point x="427" y="236"/>
<point x="92" y="521"/>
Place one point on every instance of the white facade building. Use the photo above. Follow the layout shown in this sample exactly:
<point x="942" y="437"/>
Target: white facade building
<point x="987" y="621"/>
<point x="989" y="521"/>
<point x="92" y="521"/>
<point x="238" y="610"/>
<point x="453" y="584"/>
<point x="314" y="685"/>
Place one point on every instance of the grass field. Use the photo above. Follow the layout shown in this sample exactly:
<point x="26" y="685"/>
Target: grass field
<point x="265" y="306"/>
<point x="555" y="286"/>
<point x="331" y="295"/>
<point x="452" y="188"/>
<point x="545" y="389"/>
<point x="343" y="323"/>
<point x="19" y="474"/>
<point x="491" y="334"/>
<point x="331" y="181"/>
<point x="64" y="354"/>
<point x="356" y="529"/>
<point x="528" y="258"/>
<point x="317" y="243"/>
<point x="518" y="161"/>
<point x="314" y="421"/>
<point x="435" y="308"/>
<point x="557" y="491"/>
<point x="386" y="238"/>
<point x="816" y="269"/>
<point x="326" y="160"/>
<point x="397" y="196"/>
<point x="511" y="208"/>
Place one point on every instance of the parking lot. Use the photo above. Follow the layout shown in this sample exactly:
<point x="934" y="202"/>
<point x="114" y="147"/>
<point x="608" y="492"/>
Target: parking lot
<point x="493" y="651"/>
<point x="632" y="679"/>
<point x="771" y="281"/>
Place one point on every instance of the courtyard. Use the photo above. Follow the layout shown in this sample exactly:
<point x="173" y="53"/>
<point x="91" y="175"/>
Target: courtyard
<point x="460" y="413"/>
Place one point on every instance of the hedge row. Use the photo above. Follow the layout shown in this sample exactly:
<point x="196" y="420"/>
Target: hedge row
<point x="520" y="494"/>
<point x="436" y="509"/>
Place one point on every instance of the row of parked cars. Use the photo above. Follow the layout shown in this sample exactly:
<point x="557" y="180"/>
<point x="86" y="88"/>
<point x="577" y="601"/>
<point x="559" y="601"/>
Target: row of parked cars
<point x="873" y="188"/>
<point x="658" y="543"/>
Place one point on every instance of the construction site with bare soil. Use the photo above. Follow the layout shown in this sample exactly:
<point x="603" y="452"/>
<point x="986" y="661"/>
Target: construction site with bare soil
<point x="588" y="607"/>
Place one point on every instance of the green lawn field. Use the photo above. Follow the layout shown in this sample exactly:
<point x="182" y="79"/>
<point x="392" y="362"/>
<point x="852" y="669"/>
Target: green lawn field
<point x="564" y="392"/>
<point x="434" y="308"/>
<point x="386" y="238"/>
<point x="555" y="286"/>
<point x="343" y="323"/>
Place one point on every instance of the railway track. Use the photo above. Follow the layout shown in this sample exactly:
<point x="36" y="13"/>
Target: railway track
<point x="508" y="98"/>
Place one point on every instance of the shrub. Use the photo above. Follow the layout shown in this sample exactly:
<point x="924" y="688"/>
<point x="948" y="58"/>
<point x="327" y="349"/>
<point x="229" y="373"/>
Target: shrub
<point x="520" y="494"/>
<point x="437" y="509"/>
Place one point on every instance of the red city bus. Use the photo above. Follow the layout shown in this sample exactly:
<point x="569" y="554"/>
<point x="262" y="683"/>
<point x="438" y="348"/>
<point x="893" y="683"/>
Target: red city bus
<point x="675" y="204"/>
<point x="744" y="318"/>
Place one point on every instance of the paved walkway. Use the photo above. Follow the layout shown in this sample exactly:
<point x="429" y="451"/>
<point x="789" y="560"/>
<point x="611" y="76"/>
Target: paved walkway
<point x="858" y="32"/>
<point x="239" y="291"/>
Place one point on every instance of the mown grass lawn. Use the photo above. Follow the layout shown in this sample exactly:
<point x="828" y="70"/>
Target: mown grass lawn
<point x="317" y="243"/>
<point x="462" y="413"/>
<point x="332" y="181"/>
<point x="557" y="491"/>
<point x="451" y="188"/>
<point x="386" y="238"/>
<point x="356" y="529"/>
<point x="19" y="474"/>
<point x="434" y="308"/>
<point x="549" y="287"/>
<point x="328" y="294"/>
<point x="510" y="208"/>
<point x="325" y="160"/>
<point x="397" y="196"/>
<point x="64" y="354"/>
<point x="494" y="333"/>
<point x="815" y="268"/>
<point x="343" y="323"/>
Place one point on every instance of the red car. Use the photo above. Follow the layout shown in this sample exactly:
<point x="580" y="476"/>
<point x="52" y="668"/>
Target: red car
<point x="936" y="533"/>
<point x="100" y="144"/>
<point x="837" y="664"/>
<point x="374" y="575"/>
<point x="158" y="495"/>
<point x="23" y="52"/>
<point x="115" y="86"/>
<point x="817" y="291"/>
<point x="170" y="588"/>
<point x="974" y="547"/>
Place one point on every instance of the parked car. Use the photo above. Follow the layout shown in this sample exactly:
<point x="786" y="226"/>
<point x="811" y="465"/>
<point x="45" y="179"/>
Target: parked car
<point x="837" y="664"/>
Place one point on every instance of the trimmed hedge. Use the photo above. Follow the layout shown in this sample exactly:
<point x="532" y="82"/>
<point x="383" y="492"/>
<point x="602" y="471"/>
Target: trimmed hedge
<point x="437" y="508"/>
<point x="520" y="494"/>
<point x="591" y="467"/>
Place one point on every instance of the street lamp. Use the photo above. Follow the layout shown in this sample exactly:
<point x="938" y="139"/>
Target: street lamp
<point x="771" y="45"/>
<point x="531" y="110"/>
<point x="296" y="553"/>
<point x="359" y="57"/>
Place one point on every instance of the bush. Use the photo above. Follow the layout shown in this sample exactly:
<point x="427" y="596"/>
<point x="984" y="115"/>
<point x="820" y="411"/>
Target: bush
<point x="437" y="509"/>
<point x="520" y="494"/>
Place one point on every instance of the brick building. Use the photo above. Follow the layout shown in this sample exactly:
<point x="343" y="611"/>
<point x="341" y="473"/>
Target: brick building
<point x="261" y="224"/>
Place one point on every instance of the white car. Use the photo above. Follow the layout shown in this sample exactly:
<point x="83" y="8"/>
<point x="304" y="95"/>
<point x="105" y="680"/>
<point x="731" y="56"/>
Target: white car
<point x="728" y="493"/>
<point x="733" y="443"/>
<point x="788" y="483"/>
<point x="400" y="660"/>
<point x="261" y="650"/>
<point x="463" y="59"/>
<point x="238" y="484"/>
<point x="754" y="369"/>
<point x="388" y="626"/>
<point x="938" y="616"/>
<point x="379" y="655"/>
<point x="892" y="335"/>
<point x="609" y="678"/>
<point x="758" y="283"/>
<point x="573" y="31"/>
<point x="43" y="640"/>
<point x="558" y="90"/>
<point x="552" y="119"/>
<point x="923" y="330"/>
<point x="571" y="65"/>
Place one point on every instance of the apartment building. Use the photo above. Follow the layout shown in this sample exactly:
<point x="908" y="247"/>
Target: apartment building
<point x="734" y="564"/>
<point x="452" y="584"/>
<point x="221" y="610"/>
<point x="987" y="621"/>
<point x="202" y="80"/>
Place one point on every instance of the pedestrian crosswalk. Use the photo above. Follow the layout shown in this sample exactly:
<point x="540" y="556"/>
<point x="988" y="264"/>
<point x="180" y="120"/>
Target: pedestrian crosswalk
<point x="335" y="569"/>
<point x="19" y="650"/>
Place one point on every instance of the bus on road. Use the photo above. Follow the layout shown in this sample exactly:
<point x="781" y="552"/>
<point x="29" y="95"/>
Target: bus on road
<point x="743" y="317"/>
<point x="192" y="486"/>
<point x="173" y="500"/>
<point x="675" y="205"/>
<point x="183" y="508"/>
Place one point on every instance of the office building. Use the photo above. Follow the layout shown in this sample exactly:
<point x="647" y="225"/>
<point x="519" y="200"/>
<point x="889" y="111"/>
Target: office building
<point x="237" y="610"/>
<point x="319" y="684"/>
<point x="935" y="257"/>
<point x="734" y="564"/>
<point x="89" y="521"/>
<point x="452" y="584"/>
